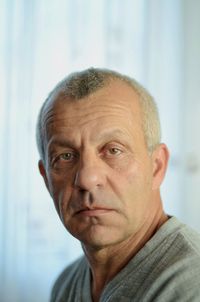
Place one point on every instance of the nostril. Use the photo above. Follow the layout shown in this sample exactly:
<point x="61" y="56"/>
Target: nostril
<point x="85" y="196"/>
<point x="89" y="177"/>
<point x="82" y="191"/>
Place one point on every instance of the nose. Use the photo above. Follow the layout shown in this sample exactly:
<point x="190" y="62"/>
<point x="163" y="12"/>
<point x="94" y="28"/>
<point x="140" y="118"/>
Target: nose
<point x="90" y="174"/>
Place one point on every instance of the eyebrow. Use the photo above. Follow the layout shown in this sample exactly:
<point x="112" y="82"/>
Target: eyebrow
<point x="112" y="134"/>
<point x="106" y="135"/>
<point x="60" y="142"/>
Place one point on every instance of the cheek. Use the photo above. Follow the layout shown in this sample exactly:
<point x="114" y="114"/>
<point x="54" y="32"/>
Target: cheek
<point x="133" y="182"/>
<point x="60" y="189"/>
<point x="135" y="195"/>
<point x="122" y="166"/>
<point x="129" y="173"/>
<point x="58" y="180"/>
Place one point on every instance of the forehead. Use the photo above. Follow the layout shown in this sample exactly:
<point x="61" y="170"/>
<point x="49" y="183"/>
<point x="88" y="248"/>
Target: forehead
<point x="114" y="105"/>
<point x="117" y="93"/>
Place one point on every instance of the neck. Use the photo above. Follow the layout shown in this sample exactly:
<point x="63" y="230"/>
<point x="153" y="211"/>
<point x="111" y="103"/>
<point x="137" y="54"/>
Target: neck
<point x="106" y="262"/>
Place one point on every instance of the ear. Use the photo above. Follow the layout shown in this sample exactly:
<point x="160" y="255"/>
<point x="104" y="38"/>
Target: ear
<point x="42" y="170"/>
<point x="160" y="159"/>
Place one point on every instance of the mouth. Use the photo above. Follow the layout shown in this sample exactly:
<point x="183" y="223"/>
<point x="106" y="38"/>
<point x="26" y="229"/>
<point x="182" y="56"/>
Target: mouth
<point x="89" y="212"/>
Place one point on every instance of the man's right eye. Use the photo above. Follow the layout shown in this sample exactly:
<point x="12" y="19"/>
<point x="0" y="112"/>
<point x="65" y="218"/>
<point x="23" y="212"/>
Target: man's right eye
<point x="68" y="156"/>
<point x="60" y="159"/>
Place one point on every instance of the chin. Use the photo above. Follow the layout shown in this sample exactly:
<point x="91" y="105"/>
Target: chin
<point x="99" y="237"/>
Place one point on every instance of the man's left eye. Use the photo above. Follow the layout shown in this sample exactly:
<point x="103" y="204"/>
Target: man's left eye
<point x="114" y="151"/>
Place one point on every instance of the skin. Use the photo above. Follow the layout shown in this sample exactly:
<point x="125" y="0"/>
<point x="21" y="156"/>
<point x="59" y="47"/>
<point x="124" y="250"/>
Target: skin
<point x="104" y="183"/>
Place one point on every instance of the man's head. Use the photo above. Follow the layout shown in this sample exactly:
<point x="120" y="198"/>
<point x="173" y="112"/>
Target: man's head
<point x="101" y="157"/>
<point x="81" y="84"/>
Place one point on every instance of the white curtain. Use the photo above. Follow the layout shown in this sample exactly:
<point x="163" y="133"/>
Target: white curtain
<point x="155" y="41"/>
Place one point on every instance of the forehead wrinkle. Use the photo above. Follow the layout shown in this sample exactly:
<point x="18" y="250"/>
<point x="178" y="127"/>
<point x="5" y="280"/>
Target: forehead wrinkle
<point x="47" y="120"/>
<point x="60" y="141"/>
<point x="67" y="114"/>
<point x="111" y="134"/>
<point x="88" y="103"/>
<point x="68" y="141"/>
<point x="100" y="112"/>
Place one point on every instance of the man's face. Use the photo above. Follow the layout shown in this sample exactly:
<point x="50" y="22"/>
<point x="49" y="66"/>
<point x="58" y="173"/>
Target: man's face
<point x="98" y="169"/>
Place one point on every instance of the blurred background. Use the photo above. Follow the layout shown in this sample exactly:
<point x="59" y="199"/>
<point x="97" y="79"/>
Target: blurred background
<point x="155" y="41"/>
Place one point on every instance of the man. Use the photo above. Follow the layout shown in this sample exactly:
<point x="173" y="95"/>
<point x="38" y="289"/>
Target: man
<point x="98" y="136"/>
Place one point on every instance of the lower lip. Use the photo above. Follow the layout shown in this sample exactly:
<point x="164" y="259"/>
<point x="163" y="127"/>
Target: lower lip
<point x="95" y="212"/>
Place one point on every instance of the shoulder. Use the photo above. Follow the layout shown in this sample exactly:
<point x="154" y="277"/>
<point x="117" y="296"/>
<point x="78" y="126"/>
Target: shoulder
<point x="178" y="274"/>
<point x="179" y="281"/>
<point x="185" y="243"/>
<point x="191" y="239"/>
<point x="67" y="278"/>
<point x="182" y="251"/>
<point x="177" y="238"/>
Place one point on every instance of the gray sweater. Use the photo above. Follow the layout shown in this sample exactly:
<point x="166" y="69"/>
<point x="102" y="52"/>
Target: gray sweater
<point x="166" y="269"/>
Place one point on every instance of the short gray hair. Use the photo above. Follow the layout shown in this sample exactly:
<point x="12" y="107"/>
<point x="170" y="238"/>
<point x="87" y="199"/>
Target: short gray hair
<point x="80" y="84"/>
